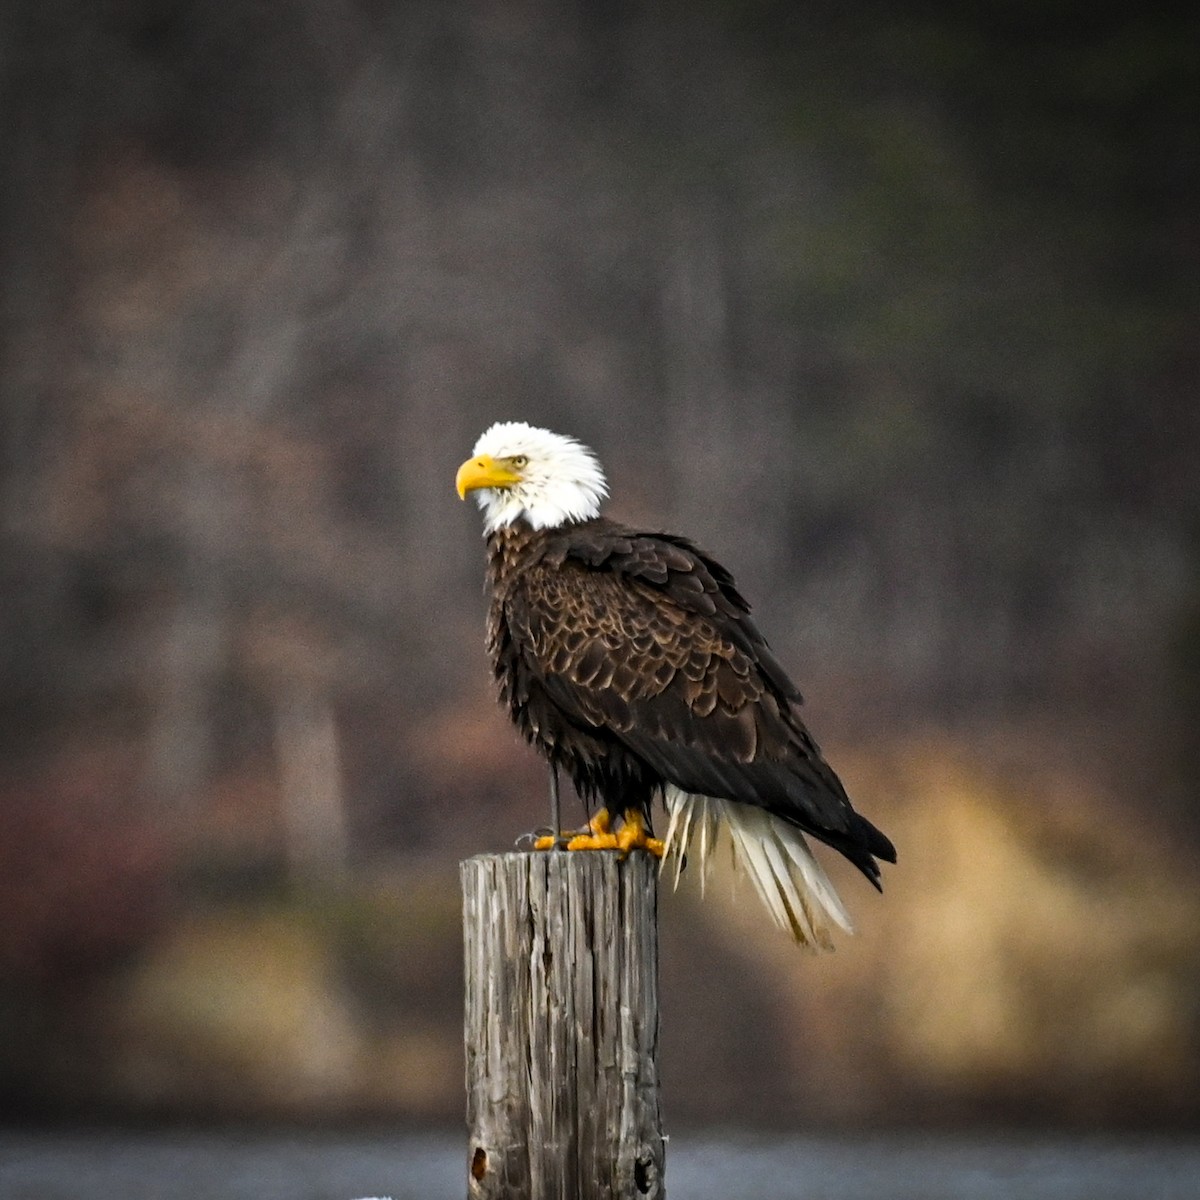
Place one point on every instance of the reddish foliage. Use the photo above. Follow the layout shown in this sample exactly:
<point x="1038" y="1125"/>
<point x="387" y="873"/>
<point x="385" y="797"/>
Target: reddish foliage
<point x="83" y="870"/>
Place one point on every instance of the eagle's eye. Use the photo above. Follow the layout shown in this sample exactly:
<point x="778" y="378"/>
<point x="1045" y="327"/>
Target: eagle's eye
<point x="519" y="460"/>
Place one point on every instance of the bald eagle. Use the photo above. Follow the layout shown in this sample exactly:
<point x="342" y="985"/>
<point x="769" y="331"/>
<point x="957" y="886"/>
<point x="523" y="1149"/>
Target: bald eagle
<point x="629" y="660"/>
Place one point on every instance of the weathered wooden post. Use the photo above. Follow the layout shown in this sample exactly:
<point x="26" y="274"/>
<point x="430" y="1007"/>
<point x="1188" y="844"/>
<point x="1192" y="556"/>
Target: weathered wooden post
<point x="562" y="1026"/>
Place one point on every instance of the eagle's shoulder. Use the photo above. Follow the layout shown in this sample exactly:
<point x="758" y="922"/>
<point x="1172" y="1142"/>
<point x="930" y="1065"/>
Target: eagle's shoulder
<point x="673" y="566"/>
<point x="604" y="563"/>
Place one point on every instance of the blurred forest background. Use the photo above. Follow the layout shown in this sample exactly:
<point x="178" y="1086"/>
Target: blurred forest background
<point x="892" y="308"/>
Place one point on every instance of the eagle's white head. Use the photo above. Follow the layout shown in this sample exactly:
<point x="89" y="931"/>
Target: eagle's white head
<point x="521" y="472"/>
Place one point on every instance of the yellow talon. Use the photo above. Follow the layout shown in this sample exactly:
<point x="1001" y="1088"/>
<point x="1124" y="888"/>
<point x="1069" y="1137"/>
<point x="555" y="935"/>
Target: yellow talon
<point x="635" y="836"/>
<point x="598" y="835"/>
<point x="593" y="841"/>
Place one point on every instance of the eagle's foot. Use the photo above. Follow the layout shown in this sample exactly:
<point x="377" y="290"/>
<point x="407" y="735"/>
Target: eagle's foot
<point x="543" y="838"/>
<point x="595" y="835"/>
<point x="633" y="834"/>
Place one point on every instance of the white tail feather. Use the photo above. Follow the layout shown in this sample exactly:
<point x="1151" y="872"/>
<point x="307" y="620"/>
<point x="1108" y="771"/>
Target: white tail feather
<point x="774" y="853"/>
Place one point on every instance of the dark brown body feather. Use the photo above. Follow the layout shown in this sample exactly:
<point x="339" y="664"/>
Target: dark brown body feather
<point x="630" y="660"/>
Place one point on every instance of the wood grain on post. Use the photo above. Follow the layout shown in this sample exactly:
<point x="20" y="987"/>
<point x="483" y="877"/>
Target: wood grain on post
<point x="562" y="1026"/>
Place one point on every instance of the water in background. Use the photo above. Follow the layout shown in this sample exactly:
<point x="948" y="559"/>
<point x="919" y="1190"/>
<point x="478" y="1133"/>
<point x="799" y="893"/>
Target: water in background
<point x="154" y="1166"/>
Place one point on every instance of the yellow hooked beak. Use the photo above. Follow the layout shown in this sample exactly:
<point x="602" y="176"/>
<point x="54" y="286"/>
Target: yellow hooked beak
<point x="483" y="472"/>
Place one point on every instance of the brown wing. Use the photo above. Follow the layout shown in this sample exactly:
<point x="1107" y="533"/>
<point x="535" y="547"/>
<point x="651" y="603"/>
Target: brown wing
<point x="647" y="637"/>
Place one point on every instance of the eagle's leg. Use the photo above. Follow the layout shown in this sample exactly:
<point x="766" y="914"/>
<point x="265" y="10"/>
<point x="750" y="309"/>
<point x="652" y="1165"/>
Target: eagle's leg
<point x="555" y="807"/>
